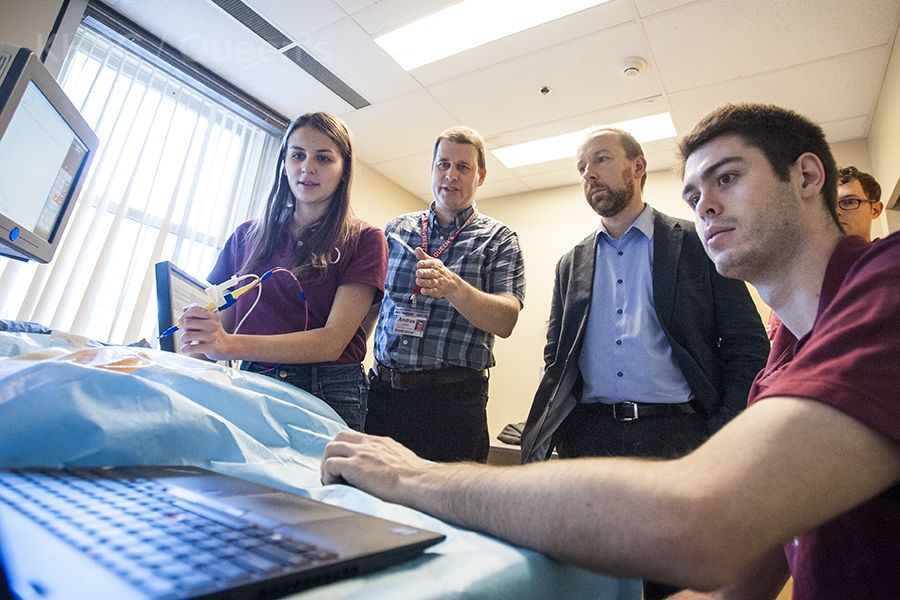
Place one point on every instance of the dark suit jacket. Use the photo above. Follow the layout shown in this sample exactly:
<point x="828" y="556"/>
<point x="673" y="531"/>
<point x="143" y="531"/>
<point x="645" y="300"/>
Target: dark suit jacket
<point x="716" y="334"/>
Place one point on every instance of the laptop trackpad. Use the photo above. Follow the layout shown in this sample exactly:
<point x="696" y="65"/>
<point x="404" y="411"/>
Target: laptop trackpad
<point x="236" y="497"/>
<point x="286" y="508"/>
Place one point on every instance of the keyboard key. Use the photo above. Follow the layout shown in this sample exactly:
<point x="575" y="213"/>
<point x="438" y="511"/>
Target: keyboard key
<point x="173" y="571"/>
<point x="257" y="564"/>
<point x="226" y="571"/>
<point x="280" y="555"/>
<point x="195" y="581"/>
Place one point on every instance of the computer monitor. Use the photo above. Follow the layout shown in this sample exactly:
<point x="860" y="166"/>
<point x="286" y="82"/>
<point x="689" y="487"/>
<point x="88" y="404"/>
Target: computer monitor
<point x="175" y="291"/>
<point x="45" y="150"/>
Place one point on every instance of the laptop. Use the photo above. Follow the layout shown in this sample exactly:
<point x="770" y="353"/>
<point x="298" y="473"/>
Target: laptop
<point x="181" y="532"/>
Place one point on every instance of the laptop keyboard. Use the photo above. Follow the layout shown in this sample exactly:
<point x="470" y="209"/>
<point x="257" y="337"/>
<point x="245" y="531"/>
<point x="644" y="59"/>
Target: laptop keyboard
<point x="167" y="547"/>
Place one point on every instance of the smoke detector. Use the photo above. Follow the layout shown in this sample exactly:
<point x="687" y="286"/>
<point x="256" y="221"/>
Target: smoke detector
<point x="633" y="66"/>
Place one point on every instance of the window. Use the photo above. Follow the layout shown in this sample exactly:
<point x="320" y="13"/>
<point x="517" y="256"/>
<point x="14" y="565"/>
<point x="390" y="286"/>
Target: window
<point x="177" y="171"/>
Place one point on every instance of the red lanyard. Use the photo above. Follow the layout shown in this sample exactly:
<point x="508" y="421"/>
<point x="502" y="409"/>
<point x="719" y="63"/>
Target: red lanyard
<point x="450" y="239"/>
<point x="443" y="247"/>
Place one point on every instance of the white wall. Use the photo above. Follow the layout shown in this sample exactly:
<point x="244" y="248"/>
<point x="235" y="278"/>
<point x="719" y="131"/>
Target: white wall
<point x="549" y="224"/>
<point x="377" y="200"/>
<point x="884" y="140"/>
<point x="27" y="24"/>
<point x="892" y="220"/>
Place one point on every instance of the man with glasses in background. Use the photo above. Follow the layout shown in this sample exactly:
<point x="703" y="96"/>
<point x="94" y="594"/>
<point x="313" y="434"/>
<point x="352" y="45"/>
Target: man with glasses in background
<point x="859" y="202"/>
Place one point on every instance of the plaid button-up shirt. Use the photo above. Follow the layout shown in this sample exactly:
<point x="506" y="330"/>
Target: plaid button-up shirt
<point x="486" y="254"/>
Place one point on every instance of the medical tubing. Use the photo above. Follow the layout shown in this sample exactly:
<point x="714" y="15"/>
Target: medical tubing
<point x="258" y="284"/>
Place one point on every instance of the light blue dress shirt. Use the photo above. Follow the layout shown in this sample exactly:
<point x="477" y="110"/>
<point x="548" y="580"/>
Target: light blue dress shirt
<point x="626" y="356"/>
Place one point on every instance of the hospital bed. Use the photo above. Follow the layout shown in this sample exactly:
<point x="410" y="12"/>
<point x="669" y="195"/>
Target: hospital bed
<point x="68" y="401"/>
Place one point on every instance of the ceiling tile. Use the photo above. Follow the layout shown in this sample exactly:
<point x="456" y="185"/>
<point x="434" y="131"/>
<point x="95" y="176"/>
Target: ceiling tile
<point x="651" y="7"/>
<point x="846" y="129"/>
<point x="505" y="96"/>
<point x="412" y="173"/>
<point x="288" y="89"/>
<point x="354" y="6"/>
<point x="553" y="166"/>
<point x="853" y="78"/>
<point x="351" y="54"/>
<point x="201" y="31"/>
<point x="713" y="41"/>
<point x="298" y="19"/>
<point x="663" y="157"/>
<point x="399" y="127"/>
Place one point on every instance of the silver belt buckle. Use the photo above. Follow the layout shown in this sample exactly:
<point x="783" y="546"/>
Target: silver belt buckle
<point x="634" y="411"/>
<point x="396" y="377"/>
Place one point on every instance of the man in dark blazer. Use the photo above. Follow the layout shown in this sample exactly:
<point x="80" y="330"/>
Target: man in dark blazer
<point x="715" y="333"/>
<point x="673" y="346"/>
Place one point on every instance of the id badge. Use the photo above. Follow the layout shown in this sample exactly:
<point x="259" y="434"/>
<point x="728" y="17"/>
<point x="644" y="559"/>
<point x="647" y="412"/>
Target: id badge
<point x="410" y="321"/>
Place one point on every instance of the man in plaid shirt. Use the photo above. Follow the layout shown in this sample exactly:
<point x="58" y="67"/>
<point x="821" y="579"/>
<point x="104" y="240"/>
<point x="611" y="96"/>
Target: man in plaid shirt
<point x="456" y="278"/>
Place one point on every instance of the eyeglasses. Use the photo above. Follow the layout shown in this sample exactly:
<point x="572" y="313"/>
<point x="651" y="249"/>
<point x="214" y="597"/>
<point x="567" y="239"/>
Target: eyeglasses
<point x="852" y="203"/>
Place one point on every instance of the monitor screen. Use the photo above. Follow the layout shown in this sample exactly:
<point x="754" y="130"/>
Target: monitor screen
<point x="175" y="291"/>
<point x="45" y="150"/>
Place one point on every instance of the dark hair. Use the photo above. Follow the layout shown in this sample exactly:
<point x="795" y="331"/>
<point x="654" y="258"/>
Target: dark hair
<point x="461" y="135"/>
<point x="629" y="143"/>
<point x="782" y="135"/>
<point x="866" y="181"/>
<point x="316" y="253"/>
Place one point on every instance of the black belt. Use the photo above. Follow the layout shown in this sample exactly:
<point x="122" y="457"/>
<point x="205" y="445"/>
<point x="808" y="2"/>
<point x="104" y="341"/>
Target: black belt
<point x="400" y="380"/>
<point x="631" y="411"/>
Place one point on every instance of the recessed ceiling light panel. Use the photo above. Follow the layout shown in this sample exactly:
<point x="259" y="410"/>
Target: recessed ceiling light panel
<point x="644" y="129"/>
<point x="469" y="24"/>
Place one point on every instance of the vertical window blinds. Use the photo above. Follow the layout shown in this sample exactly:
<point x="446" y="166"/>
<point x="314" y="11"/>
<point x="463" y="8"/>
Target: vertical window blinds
<point x="177" y="171"/>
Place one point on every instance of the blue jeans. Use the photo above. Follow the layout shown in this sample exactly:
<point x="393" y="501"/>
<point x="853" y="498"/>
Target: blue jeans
<point x="343" y="387"/>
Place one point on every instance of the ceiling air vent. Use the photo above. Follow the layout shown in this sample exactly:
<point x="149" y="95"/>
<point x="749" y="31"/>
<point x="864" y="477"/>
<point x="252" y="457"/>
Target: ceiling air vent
<point x="325" y="77"/>
<point x="273" y="36"/>
<point x="255" y="23"/>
